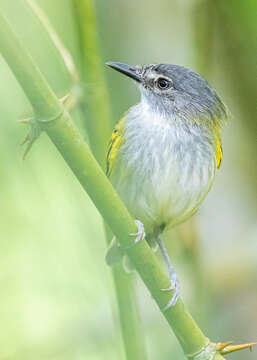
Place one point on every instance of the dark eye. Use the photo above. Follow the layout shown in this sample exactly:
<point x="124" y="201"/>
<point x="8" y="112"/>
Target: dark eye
<point x="163" y="84"/>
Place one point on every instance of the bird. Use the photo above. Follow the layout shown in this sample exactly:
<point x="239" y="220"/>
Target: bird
<point x="164" y="153"/>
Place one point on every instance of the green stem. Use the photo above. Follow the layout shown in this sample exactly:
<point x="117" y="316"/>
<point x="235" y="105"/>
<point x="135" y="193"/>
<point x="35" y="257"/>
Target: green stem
<point x="64" y="54"/>
<point x="129" y="316"/>
<point x="68" y="140"/>
<point x="96" y="99"/>
<point x="98" y="126"/>
<point x="203" y="30"/>
<point x="218" y="357"/>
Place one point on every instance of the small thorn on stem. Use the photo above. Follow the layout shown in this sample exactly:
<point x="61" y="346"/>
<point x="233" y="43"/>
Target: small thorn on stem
<point x="221" y="346"/>
<point x="28" y="147"/>
<point x="64" y="98"/>
<point x="32" y="136"/>
<point x="227" y="348"/>
<point x="25" y="140"/>
<point x="69" y="100"/>
<point x="25" y="121"/>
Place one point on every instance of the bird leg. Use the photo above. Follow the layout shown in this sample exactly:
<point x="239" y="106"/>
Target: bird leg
<point x="175" y="286"/>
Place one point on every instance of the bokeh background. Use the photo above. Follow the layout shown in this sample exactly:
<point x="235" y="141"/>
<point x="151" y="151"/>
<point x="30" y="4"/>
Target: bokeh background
<point x="57" y="300"/>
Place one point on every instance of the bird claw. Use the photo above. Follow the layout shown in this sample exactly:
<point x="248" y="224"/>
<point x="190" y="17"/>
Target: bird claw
<point x="140" y="234"/>
<point x="175" y="287"/>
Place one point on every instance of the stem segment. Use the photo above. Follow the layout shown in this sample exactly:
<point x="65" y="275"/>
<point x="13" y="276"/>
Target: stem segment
<point x="98" y="124"/>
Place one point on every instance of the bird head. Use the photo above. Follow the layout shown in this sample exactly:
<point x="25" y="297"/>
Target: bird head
<point x="174" y="91"/>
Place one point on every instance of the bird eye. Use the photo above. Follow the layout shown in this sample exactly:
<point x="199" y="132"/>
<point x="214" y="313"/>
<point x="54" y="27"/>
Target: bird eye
<point x="163" y="84"/>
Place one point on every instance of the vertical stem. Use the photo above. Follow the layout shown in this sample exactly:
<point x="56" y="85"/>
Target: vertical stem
<point x="96" y="99"/>
<point x="236" y="39"/>
<point x="98" y="125"/>
<point x="64" y="54"/>
<point x="129" y="317"/>
<point x="203" y="30"/>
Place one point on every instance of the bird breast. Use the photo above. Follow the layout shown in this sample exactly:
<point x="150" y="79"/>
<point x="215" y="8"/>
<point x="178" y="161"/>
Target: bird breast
<point x="165" y="168"/>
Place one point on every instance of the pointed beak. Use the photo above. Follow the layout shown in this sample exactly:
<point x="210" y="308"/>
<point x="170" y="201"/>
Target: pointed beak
<point x="128" y="70"/>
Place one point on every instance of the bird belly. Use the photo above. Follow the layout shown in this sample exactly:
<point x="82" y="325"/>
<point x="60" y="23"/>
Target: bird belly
<point x="160" y="201"/>
<point x="162" y="177"/>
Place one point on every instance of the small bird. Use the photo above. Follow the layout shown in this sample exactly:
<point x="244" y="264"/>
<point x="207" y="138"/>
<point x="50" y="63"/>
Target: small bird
<point x="164" y="152"/>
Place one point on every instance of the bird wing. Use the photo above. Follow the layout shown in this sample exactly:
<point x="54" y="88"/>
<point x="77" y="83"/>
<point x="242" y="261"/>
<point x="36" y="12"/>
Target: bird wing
<point x="114" y="145"/>
<point x="219" y="153"/>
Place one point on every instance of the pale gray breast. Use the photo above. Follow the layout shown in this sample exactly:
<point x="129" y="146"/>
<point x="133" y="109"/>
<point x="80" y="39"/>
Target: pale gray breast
<point x="165" y="169"/>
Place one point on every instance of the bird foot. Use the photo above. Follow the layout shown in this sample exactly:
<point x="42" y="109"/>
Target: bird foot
<point x="140" y="234"/>
<point x="175" y="287"/>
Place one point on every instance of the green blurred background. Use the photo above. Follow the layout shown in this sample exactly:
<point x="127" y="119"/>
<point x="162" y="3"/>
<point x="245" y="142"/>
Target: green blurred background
<point x="57" y="300"/>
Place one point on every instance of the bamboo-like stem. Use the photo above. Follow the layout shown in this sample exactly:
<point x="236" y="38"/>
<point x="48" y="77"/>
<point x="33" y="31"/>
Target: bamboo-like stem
<point x="98" y="117"/>
<point x="96" y="97"/>
<point x="203" y="31"/>
<point x="66" y="137"/>
<point x="66" y="56"/>
<point x="236" y="46"/>
<point x="129" y="317"/>
<point x="218" y="357"/>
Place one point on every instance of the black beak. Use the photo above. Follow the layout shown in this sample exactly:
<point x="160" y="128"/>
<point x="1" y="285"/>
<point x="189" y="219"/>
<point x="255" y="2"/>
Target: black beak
<point x="129" y="70"/>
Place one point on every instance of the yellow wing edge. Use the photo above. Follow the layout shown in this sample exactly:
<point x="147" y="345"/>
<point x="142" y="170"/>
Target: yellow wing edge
<point x="219" y="153"/>
<point x="114" y="145"/>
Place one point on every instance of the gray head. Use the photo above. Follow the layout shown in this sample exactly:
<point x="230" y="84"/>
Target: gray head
<point x="178" y="90"/>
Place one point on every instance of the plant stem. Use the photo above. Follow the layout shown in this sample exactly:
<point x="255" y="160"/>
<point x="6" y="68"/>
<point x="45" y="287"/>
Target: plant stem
<point x="204" y="31"/>
<point x="129" y="317"/>
<point x="64" y="134"/>
<point x="65" y="56"/>
<point x="98" y="126"/>
<point x="218" y="356"/>
<point x="96" y="100"/>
